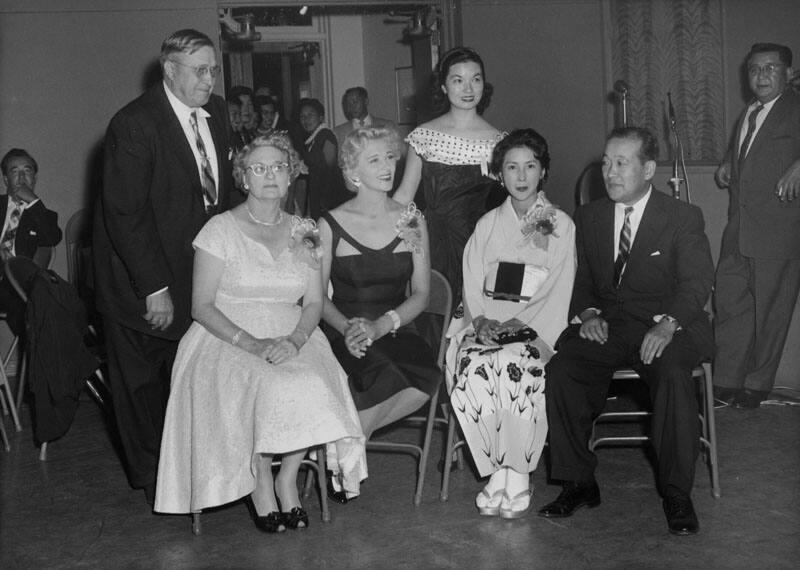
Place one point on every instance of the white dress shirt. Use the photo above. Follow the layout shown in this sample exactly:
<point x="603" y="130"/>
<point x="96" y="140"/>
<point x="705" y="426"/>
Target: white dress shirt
<point x="759" y="121"/>
<point x="184" y="112"/>
<point x="636" y="218"/>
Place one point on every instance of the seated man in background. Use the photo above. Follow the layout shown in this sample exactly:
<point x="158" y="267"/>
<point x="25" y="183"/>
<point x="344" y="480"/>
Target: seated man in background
<point x="27" y="225"/>
<point x="644" y="275"/>
<point x="355" y="104"/>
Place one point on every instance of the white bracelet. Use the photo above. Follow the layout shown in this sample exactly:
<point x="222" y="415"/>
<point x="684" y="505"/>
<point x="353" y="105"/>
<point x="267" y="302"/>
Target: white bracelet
<point x="396" y="322"/>
<point x="236" y="337"/>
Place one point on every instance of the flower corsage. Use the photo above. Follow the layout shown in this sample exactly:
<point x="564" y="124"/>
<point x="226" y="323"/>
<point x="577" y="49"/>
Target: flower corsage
<point x="305" y="242"/>
<point x="408" y="228"/>
<point x="538" y="223"/>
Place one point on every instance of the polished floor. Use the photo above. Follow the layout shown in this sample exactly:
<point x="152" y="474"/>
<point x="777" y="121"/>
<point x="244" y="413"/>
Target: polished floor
<point x="76" y="510"/>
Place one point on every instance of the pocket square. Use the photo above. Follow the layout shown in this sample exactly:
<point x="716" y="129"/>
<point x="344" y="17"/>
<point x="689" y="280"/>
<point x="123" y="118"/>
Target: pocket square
<point x="655" y="253"/>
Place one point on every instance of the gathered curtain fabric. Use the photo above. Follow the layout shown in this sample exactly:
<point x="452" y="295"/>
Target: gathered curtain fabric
<point x="672" y="46"/>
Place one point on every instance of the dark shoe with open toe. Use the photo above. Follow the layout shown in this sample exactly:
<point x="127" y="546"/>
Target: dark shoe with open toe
<point x="296" y="518"/>
<point x="272" y="523"/>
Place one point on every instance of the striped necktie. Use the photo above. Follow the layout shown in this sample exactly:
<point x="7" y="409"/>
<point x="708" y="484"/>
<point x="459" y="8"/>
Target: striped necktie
<point x="207" y="178"/>
<point x="7" y="245"/>
<point x="751" y="128"/>
<point x="624" y="247"/>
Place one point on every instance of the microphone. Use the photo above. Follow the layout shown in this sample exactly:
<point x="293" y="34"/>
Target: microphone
<point x="671" y="109"/>
<point x="621" y="87"/>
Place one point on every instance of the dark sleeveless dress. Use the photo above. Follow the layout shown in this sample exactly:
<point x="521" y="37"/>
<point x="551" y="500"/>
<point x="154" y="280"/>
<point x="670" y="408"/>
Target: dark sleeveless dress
<point x="368" y="285"/>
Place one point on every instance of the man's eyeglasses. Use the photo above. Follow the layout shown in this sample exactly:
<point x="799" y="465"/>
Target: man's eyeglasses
<point x="202" y="70"/>
<point x="261" y="169"/>
<point x="767" y="69"/>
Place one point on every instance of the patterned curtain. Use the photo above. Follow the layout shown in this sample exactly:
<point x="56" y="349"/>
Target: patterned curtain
<point x="675" y="46"/>
<point x="241" y="68"/>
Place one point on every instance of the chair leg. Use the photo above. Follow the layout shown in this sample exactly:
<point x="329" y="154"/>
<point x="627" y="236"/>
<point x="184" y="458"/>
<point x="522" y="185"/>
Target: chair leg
<point x="426" y="448"/>
<point x="196" y="528"/>
<point x="43" y="452"/>
<point x="6" y="444"/>
<point x="22" y="378"/>
<point x="448" y="456"/>
<point x="323" y="495"/>
<point x="12" y="408"/>
<point x="710" y="428"/>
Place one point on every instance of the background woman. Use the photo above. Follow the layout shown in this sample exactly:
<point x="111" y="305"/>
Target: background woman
<point x="375" y="248"/>
<point x="254" y="376"/>
<point x="325" y="189"/>
<point x="519" y="268"/>
<point x="450" y="156"/>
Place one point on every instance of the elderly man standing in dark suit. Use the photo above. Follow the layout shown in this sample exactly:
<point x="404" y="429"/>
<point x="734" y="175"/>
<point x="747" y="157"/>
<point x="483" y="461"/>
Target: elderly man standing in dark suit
<point x="758" y="276"/>
<point x="644" y="275"/>
<point x="27" y="225"/>
<point x="167" y="171"/>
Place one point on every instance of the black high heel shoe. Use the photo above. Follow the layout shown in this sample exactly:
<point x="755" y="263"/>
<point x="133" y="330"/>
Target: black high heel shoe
<point x="272" y="523"/>
<point x="338" y="496"/>
<point x="296" y="518"/>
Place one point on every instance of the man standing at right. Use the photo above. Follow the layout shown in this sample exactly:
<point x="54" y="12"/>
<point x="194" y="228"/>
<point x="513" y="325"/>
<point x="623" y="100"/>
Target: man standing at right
<point x="758" y="275"/>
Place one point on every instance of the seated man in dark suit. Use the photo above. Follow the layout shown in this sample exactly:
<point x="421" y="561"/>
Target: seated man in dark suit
<point x="644" y="275"/>
<point x="27" y="225"/>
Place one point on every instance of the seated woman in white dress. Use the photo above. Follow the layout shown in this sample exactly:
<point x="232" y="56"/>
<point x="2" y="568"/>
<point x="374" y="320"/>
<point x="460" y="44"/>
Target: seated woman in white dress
<point x="254" y="377"/>
<point x="519" y="267"/>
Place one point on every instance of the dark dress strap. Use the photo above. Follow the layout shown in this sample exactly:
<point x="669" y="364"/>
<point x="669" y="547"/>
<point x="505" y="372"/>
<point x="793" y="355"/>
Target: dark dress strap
<point x="339" y="232"/>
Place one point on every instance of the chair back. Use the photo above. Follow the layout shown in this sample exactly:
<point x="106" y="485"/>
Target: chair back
<point x="18" y="271"/>
<point x="78" y="239"/>
<point x="590" y="185"/>
<point x="440" y="303"/>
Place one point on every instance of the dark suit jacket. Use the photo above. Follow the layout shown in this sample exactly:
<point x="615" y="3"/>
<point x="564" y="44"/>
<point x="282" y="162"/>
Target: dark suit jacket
<point x="759" y="224"/>
<point x="151" y="208"/>
<point x="38" y="227"/>
<point x="669" y="270"/>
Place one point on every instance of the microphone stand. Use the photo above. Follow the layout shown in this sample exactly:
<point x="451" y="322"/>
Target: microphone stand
<point x="624" y="100"/>
<point x="678" y="161"/>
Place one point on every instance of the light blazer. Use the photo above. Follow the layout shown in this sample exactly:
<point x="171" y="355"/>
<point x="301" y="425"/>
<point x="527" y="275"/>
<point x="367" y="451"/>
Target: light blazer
<point x="669" y="270"/>
<point x="38" y="227"/>
<point x="766" y="227"/>
<point x="151" y="208"/>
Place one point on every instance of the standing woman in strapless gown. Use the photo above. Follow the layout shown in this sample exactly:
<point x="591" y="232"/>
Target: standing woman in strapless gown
<point x="377" y="260"/>
<point x="449" y="157"/>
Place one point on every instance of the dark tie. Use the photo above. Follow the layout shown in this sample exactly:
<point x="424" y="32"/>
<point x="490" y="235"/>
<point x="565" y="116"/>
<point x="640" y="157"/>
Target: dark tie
<point x="751" y="128"/>
<point x="7" y="246"/>
<point x="207" y="179"/>
<point x="624" y="247"/>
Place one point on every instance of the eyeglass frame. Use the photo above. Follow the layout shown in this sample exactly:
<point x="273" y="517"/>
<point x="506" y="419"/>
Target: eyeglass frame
<point x="213" y="71"/>
<point x="768" y="68"/>
<point x="277" y="168"/>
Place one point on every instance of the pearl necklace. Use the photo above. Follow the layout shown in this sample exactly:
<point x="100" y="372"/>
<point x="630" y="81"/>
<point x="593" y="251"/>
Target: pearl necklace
<point x="262" y="223"/>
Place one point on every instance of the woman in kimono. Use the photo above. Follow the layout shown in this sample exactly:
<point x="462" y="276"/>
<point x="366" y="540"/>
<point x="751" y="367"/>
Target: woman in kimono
<point x="519" y="267"/>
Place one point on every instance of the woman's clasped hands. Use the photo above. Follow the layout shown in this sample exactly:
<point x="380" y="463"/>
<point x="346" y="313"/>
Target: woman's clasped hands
<point x="275" y="350"/>
<point x="487" y="331"/>
<point x="359" y="334"/>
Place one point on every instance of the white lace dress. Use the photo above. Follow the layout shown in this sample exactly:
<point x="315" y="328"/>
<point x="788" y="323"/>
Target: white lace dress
<point x="227" y="405"/>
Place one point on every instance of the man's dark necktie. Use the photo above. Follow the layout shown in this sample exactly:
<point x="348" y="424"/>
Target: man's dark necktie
<point x="7" y="246"/>
<point x="751" y="128"/>
<point x="624" y="247"/>
<point x="209" y="186"/>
